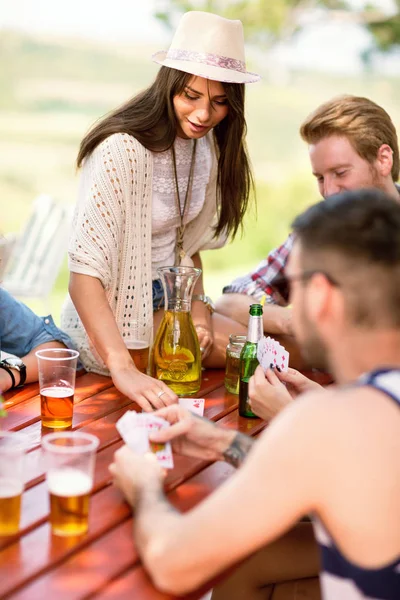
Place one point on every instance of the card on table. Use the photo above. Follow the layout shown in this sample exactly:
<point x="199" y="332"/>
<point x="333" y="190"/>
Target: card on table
<point x="196" y="405"/>
<point x="134" y="429"/>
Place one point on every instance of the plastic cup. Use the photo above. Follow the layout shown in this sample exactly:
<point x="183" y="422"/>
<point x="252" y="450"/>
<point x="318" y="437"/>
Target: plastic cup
<point x="57" y="370"/>
<point x="12" y="454"/>
<point x="70" y="460"/>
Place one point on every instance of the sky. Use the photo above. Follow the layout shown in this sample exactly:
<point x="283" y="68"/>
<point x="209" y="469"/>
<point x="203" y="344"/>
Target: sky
<point x="323" y="46"/>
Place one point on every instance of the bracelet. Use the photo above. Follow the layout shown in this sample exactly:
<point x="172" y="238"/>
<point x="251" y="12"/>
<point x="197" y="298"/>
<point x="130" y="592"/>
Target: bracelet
<point x="11" y="374"/>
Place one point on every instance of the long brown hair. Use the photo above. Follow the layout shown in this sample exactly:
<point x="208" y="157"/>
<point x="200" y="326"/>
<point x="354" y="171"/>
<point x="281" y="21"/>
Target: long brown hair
<point x="150" y="118"/>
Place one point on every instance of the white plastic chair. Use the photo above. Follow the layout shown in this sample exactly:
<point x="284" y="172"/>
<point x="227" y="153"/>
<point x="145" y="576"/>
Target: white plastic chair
<point x="7" y="243"/>
<point x="39" y="251"/>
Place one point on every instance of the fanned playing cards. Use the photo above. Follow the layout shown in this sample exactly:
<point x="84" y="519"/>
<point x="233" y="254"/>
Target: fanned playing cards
<point x="271" y="354"/>
<point x="134" y="429"/>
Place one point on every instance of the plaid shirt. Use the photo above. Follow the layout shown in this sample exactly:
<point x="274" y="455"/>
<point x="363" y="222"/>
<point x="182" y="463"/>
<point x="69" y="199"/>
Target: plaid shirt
<point x="261" y="281"/>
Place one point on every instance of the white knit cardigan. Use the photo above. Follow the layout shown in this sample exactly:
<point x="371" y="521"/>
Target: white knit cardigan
<point x="111" y="237"/>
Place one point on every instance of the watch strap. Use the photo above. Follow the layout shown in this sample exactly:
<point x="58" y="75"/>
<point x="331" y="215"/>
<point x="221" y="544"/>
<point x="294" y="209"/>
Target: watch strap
<point x="21" y="368"/>
<point x="206" y="300"/>
<point x="9" y="371"/>
<point x="22" y="375"/>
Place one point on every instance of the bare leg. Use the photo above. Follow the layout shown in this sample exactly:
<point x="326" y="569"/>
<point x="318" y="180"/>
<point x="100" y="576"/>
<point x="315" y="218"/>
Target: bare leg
<point x="283" y="569"/>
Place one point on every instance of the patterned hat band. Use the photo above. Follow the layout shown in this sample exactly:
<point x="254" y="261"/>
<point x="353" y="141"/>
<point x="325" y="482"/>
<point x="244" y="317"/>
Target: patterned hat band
<point x="212" y="60"/>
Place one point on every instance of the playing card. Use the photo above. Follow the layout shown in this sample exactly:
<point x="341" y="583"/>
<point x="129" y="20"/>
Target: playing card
<point x="284" y="359"/>
<point x="134" y="429"/>
<point x="195" y="405"/>
<point x="261" y="351"/>
<point x="271" y="354"/>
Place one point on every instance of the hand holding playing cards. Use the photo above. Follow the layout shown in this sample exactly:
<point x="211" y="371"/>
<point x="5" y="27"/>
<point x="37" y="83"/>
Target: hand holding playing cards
<point x="267" y="394"/>
<point x="149" y="393"/>
<point x="192" y="435"/>
<point x="297" y="383"/>
<point x="132" y="471"/>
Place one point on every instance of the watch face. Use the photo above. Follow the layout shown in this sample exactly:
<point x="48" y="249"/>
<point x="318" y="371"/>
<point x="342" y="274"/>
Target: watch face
<point x="14" y="362"/>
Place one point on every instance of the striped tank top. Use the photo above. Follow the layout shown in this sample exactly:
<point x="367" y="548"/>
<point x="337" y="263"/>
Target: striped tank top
<point x="340" y="578"/>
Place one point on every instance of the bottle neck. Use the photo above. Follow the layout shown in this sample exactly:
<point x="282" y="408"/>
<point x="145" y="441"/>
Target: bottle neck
<point x="255" y="330"/>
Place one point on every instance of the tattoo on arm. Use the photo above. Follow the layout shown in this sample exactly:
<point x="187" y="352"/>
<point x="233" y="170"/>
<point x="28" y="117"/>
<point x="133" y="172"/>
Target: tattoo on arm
<point x="238" y="450"/>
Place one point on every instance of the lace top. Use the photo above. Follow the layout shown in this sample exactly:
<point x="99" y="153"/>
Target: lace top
<point x="112" y="232"/>
<point x="165" y="216"/>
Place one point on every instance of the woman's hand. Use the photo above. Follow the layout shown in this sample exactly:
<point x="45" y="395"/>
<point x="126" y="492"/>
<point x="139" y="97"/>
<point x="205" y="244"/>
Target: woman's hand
<point x="149" y="393"/>
<point x="203" y="324"/>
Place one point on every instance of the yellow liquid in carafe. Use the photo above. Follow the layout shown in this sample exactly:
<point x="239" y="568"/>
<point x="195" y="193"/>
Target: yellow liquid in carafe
<point x="176" y="357"/>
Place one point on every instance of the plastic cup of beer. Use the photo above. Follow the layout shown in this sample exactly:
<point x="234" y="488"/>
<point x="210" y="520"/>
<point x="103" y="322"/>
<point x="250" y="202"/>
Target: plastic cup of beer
<point x="12" y="453"/>
<point x="139" y="351"/>
<point x="69" y="458"/>
<point x="57" y="370"/>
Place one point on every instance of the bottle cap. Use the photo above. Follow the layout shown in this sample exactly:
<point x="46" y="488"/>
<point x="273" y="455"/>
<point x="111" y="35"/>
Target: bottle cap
<point x="256" y="310"/>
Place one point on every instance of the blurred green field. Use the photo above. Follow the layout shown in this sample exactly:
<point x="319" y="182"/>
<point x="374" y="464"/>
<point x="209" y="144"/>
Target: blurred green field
<point x="52" y="91"/>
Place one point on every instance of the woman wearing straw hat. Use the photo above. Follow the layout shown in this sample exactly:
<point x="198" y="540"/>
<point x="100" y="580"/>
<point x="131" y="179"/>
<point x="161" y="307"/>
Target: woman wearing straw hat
<point x="163" y="177"/>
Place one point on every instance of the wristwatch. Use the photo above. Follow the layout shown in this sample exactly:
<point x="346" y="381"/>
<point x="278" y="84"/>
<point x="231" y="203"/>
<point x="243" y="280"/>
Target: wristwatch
<point x="10" y="363"/>
<point x="206" y="300"/>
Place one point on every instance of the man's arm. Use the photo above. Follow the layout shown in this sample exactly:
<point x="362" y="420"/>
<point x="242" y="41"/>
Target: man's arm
<point x="274" y="488"/>
<point x="31" y="363"/>
<point x="276" y="319"/>
<point x="250" y="288"/>
<point x="192" y="435"/>
<point x="238" y="450"/>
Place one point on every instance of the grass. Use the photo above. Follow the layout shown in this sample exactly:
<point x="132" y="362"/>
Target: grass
<point x="51" y="92"/>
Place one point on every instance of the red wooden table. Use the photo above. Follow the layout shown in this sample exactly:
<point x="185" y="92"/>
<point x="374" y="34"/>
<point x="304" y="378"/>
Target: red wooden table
<point x="104" y="563"/>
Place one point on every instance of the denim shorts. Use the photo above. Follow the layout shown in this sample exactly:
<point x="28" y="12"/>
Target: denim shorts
<point x="158" y="295"/>
<point x="21" y="330"/>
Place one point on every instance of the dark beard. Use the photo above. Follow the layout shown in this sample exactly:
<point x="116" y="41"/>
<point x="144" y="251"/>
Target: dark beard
<point x="312" y="348"/>
<point x="315" y="354"/>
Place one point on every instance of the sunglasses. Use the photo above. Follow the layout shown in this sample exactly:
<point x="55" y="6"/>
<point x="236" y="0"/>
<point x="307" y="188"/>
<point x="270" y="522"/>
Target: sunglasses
<point x="282" y="282"/>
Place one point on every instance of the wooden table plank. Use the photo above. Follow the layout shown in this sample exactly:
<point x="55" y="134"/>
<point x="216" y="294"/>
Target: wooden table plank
<point x="30" y="390"/>
<point x="42" y="565"/>
<point x="122" y="588"/>
<point x="53" y="551"/>
<point x="102" y="423"/>
<point x="87" y="386"/>
<point x="35" y="507"/>
<point x="72" y="551"/>
<point x="27" y="412"/>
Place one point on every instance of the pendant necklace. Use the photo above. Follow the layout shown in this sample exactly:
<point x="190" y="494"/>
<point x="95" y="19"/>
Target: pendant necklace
<point x="180" y="254"/>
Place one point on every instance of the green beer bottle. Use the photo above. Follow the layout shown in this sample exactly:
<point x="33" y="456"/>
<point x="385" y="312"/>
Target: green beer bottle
<point x="248" y="358"/>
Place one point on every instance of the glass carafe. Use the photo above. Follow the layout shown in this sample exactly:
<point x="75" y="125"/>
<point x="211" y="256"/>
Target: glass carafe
<point x="176" y="356"/>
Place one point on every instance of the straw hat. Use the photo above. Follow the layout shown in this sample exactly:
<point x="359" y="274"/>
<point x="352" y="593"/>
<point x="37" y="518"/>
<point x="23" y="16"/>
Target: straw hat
<point x="209" y="46"/>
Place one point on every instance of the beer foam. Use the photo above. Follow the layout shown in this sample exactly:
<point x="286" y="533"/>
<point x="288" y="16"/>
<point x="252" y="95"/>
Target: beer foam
<point x="68" y="482"/>
<point x="136" y="344"/>
<point x="57" y="392"/>
<point x="9" y="488"/>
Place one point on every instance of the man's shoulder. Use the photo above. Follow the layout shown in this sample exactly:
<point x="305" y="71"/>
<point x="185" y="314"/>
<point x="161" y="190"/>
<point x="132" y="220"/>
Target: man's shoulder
<point x="352" y="412"/>
<point x="317" y="414"/>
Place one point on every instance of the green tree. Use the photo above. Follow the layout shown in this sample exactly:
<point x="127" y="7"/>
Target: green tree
<point x="269" y="21"/>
